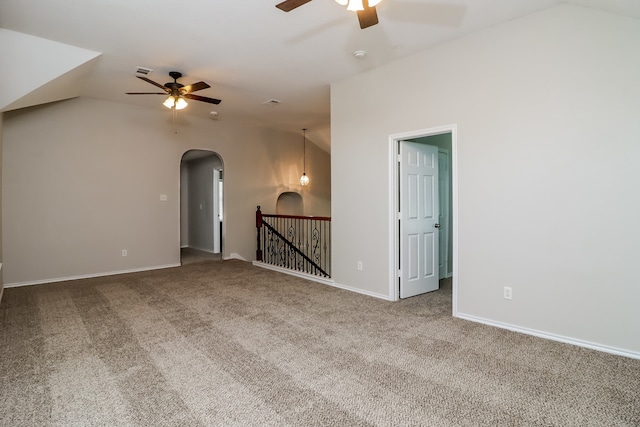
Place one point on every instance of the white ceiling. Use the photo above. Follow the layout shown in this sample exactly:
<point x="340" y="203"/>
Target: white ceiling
<point x="250" y="51"/>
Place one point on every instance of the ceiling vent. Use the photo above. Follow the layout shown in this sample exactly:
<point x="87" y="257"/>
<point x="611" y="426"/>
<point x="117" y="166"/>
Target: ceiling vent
<point x="271" y="102"/>
<point x="144" y="71"/>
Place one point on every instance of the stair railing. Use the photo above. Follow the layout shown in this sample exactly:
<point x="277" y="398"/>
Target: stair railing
<point x="300" y="243"/>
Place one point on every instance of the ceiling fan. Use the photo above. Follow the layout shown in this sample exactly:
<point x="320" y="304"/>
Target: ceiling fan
<point x="366" y="9"/>
<point x="177" y="92"/>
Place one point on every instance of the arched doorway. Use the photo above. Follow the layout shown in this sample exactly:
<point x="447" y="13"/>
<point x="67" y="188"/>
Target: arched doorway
<point x="201" y="206"/>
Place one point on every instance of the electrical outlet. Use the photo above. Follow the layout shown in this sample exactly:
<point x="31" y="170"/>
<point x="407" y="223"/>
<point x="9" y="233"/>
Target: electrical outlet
<point x="359" y="265"/>
<point x="508" y="293"/>
<point x="124" y="252"/>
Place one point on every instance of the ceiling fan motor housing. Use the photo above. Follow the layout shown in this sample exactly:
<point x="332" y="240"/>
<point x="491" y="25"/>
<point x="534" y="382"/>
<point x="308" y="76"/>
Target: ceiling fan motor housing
<point x="174" y="85"/>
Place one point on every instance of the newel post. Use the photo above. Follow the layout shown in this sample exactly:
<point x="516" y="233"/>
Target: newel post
<point x="258" y="227"/>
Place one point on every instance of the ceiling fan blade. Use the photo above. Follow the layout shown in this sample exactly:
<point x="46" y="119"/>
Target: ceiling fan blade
<point x="202" y="98"/>
<point x="289" y="5"/>
<point x="194" y="87"/>
<point x="145" y="93"/>
<point x="368" y="16"/>
<point x="153" y="83"/>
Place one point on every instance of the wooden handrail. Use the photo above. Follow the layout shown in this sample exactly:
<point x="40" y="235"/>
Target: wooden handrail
<point x="319" y="218"/>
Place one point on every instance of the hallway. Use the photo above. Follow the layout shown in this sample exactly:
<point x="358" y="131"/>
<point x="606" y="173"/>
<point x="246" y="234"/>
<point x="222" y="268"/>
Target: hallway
<point x="194" y="256"/>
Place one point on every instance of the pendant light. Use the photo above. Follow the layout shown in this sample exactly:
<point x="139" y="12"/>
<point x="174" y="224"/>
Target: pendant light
<point x="304" y="179"/>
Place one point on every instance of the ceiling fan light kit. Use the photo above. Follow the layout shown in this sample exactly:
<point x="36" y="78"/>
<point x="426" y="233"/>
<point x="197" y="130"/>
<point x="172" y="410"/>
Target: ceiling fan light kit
<point x="172" y="102"/>
<point x="356" y="4"/>
<point x="367" y="15"/>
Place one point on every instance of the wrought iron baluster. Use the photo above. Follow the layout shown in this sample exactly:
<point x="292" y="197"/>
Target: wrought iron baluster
<point x="295" y="242"/>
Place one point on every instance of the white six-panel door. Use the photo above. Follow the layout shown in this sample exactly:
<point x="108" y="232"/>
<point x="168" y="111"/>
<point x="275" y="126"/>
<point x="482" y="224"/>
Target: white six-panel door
<point x="418" y="219"/>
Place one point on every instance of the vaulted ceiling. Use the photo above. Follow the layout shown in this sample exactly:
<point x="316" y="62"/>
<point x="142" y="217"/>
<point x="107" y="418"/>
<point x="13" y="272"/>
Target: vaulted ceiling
<point x="249" y="51"/>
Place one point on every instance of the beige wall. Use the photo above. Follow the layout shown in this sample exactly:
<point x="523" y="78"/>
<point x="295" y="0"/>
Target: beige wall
<point x="547" y="111"/>
<point x="83" y="179"/>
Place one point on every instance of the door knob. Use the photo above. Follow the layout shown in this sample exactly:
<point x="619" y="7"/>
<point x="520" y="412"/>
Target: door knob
<point x="437" y="225"/>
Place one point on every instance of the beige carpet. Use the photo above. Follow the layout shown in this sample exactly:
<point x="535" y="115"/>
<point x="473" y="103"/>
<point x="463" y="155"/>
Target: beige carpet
<point x="192" y="256"/>
<point x="226" y="343"/>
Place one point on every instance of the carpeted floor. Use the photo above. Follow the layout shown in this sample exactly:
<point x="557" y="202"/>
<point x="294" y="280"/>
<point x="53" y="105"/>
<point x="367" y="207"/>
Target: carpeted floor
<point x="226" y="343"/>
<point x="192" y="256"/>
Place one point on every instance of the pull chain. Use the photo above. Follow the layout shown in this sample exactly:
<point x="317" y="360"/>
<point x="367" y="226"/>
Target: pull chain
<point x="174" y="113"/>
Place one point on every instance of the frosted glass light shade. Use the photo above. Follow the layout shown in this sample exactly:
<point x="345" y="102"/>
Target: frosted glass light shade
<point x="304" y="179"/>
<point x="169" y="102"/>
<point x="355" y="5"/>
<point x="181" y="103"/>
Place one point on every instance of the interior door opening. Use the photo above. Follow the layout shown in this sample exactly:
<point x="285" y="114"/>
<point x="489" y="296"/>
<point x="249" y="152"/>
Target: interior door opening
<point x="201" y="205"/>
<point x="443" y="141"/>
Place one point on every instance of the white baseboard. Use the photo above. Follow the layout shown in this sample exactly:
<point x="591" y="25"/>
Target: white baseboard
<point x="552" y="337"/>
<point x="362" y="291"/>
<point x="89" y="276"/>
<point x="234" y="255"/>
<point x="323" y="280"/>
<point x="311" y="277"/>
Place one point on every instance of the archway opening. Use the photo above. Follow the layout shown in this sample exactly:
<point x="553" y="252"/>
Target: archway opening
<point x="201" y="206"/>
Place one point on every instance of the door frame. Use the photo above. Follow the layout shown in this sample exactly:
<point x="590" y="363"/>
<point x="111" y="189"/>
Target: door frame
<point x="443" y="241"/>
<point x="394" y="200"/>
<point x="217" y="229"/>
